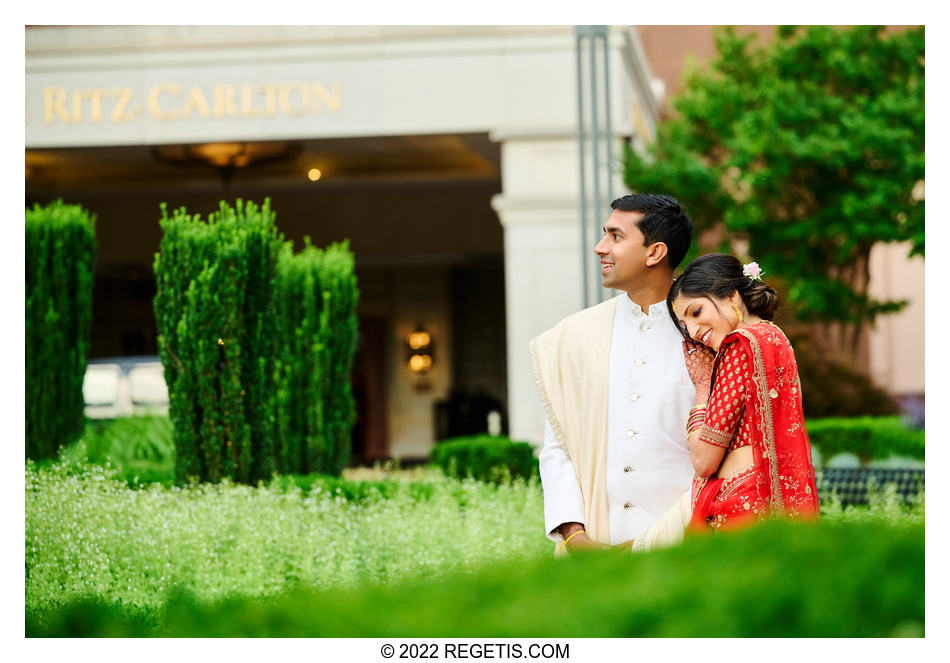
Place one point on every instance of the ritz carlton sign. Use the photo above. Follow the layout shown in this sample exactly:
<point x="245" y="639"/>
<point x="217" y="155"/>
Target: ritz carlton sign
<point x="171" y="102"/>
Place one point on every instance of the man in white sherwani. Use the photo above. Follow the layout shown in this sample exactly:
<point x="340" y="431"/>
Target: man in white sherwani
<point x="615" y="389"/>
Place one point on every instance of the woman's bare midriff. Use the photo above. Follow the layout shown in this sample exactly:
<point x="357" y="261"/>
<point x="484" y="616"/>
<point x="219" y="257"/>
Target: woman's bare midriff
<point x="734" y="462"/>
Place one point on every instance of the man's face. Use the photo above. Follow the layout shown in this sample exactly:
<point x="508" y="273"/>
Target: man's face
<point x="621" y="250"/>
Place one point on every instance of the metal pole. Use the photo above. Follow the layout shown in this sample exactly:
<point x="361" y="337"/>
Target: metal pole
<point x="580" y="150"/>
<point x="597" y="140"/>
<point x="595" y="143"/>
<point x="608" y="138"/>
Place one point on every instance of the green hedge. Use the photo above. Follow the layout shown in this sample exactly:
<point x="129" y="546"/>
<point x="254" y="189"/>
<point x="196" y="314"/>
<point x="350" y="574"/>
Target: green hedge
<point x="363" y="490"/>
<point x="141" y="448"/>
<point x="316" y="319"/>
<point x="485" y="458"/>
<point x="214" y="309"/>
<point x="60" y="260"/>
<point x="338" y="278"/>
<point x="866" y="437"/>
<point x="777" y="579"/>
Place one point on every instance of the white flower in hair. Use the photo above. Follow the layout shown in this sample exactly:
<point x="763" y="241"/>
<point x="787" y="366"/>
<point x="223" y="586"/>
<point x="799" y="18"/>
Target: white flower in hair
<point x="753" y="271"/>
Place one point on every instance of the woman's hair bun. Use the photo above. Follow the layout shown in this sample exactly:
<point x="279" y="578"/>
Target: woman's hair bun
<point x="760" y="299"/>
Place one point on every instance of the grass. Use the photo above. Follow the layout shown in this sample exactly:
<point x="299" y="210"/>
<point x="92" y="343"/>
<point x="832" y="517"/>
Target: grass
<point x="88" y="533"/>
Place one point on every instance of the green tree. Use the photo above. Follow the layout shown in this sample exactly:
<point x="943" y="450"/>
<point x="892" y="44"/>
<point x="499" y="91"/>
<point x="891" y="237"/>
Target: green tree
<point x="808" y="151"/>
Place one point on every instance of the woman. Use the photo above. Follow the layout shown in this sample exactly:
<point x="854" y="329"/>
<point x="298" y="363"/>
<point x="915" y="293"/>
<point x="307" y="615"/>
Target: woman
<point x="746" y="435"/>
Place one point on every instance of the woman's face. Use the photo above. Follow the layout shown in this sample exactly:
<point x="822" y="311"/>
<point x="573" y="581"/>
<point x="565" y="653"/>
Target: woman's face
<point x="707" y="320"/>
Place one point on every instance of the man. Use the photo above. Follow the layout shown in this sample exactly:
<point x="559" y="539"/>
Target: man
<point x="615" y="389"/>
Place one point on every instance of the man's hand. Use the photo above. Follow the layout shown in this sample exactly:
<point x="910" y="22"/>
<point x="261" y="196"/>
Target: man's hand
<point x="578" y="538"/>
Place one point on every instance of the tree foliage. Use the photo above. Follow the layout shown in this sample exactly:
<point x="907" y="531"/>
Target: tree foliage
<point x="808" y="151"/>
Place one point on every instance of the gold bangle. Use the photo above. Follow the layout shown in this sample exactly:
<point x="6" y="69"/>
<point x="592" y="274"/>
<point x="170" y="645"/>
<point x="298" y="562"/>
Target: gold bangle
<point x="572" y="536"/>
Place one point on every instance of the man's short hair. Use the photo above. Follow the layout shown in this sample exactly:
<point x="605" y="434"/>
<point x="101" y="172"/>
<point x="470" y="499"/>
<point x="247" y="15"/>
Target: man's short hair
<point x="664" y="220"/>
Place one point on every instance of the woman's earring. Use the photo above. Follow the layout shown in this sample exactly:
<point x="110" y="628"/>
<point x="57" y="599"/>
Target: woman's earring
<point x="738" y="312"/>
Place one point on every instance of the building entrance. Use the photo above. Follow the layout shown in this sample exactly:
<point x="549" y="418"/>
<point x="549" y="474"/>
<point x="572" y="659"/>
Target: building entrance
<point x="416" y="211"/>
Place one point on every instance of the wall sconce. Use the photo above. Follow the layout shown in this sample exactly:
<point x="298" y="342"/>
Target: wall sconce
<point x="420" y="350"/>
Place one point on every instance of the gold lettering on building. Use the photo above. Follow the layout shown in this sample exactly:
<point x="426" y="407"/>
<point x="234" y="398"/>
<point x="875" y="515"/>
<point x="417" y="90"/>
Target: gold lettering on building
<point x="224" y="101"/>
<point x="165" y="102"/>
<point x="287" y="105"/>
<point x="196" y="100"/>
<point x="330" y="100"/>
<point x="154" y="105"/>
<point x="94" y="96"/>
<point x="247" y="102"/>
<point x="270" y="96"/>
<point x="121" y="113"/>
<point x="54" y="102"/>
<point x="77" y="106"/>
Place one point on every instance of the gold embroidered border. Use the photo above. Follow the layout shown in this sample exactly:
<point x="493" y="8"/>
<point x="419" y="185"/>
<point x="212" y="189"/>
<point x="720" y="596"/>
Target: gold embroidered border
<point x="698" y="486"/>
<point x="712" y="436"/>
<point x="730" y="485"/>
<point x="766" y="426"/>
<point x="545" y="400"/>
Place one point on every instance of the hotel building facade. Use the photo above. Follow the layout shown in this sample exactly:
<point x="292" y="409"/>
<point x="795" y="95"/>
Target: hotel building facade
<point x="449" y="157"/>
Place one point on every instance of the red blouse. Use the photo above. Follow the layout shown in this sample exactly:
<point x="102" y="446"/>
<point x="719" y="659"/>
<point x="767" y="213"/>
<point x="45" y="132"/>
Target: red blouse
<point x="726" y="424"/>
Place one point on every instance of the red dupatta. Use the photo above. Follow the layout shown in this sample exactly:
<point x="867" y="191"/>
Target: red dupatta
<point x="781" y="451"/>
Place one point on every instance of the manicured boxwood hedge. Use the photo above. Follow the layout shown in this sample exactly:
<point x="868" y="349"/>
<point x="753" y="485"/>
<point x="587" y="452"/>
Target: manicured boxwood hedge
<point x="485" y="458"/>
<point x="868" y="438"/>
<point x="782" y="580"/>
<point x="316" y="321"/>
<point x="214" y="309"/>
<point x="364" y="490"/>
<point x="140" y="448"/>
<point x="257" y="345"/>
<point x="60" y="260"/>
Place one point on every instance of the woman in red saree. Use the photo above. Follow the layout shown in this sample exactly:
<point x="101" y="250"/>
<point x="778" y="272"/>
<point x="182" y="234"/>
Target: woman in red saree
<point x="746" y="435"/>
<point x="748" y="442"/>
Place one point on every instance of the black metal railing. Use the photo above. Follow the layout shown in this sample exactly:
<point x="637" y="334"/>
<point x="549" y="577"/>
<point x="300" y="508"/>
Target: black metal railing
<point x="853" y="485"/>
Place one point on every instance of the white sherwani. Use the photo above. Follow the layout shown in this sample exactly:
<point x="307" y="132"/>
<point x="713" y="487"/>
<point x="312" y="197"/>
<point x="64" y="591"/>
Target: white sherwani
<point x="646" y="466"/>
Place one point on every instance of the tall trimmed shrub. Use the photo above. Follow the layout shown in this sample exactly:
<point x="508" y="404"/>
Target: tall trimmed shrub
<point x="317" y="297"/>
<point x="338" y="278"/>
<point x="214" y="309"/>
<point x="60" y="259"/>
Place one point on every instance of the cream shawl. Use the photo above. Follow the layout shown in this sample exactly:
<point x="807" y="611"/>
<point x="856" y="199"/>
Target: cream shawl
<point x="571" y="368"/>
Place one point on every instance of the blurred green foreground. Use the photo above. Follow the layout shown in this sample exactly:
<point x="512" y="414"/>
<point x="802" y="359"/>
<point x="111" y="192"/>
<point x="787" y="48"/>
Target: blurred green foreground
<point x="461" y="558"/>
<point x="775" y="580"/>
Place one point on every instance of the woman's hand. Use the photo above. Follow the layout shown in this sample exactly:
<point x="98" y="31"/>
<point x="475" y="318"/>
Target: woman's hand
<point x="699" y="364"/>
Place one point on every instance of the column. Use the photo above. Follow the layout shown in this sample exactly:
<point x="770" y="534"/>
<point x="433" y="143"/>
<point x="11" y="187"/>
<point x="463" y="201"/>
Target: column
<point x="539" y="211"/>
